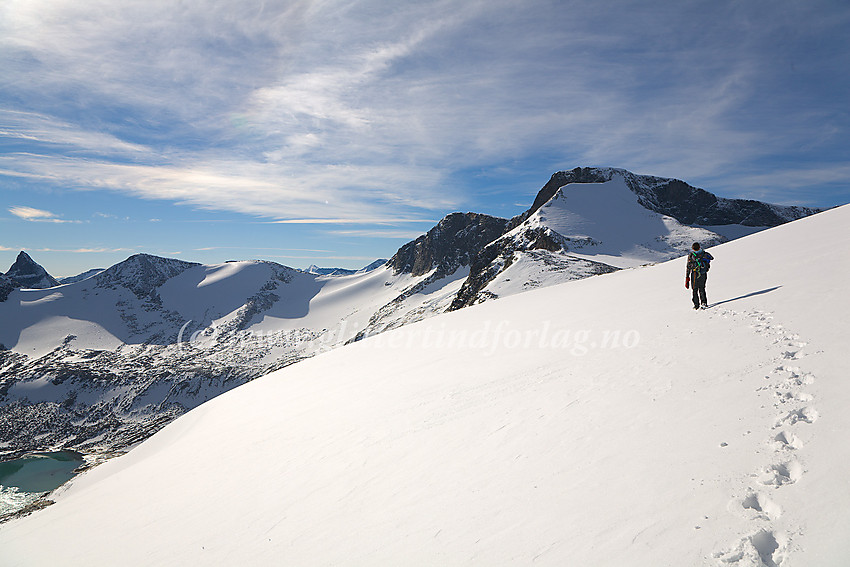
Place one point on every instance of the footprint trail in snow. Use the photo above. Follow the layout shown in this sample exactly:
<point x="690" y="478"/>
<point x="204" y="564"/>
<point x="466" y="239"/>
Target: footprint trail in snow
<point x="766" y="545"/>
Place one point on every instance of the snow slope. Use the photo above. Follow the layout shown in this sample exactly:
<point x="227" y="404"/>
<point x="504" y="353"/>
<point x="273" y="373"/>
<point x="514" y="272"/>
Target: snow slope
<point x="600" y="422"/>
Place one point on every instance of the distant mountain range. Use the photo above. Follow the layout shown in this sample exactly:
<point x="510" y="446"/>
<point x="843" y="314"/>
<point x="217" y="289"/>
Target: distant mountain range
<point x="80" y="277"/>
<point x="108" y="357"/>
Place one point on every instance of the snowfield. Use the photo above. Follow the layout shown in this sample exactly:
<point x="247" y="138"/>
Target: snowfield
<point x="601" y="422"/>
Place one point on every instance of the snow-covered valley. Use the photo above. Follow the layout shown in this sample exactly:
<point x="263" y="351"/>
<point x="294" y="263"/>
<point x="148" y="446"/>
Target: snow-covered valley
<point x="597" y="422"/>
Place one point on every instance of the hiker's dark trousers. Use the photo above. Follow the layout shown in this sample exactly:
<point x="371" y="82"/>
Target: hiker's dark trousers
<point x="698" y="284"/>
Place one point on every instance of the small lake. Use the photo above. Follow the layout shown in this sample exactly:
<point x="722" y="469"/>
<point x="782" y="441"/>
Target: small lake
<point x="23" y="480"/>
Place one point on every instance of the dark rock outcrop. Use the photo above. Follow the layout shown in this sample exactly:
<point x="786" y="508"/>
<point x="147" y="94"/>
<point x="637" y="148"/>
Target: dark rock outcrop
<point x="6" y="287"/>
<point x="142" y="273"/>
<point x="497" y="256"/>
<point x="454" y="242"/>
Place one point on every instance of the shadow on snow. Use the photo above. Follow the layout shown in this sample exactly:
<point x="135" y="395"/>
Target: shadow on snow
<point x="768" y="290"/>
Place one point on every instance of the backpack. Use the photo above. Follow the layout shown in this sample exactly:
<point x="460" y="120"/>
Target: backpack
<point x="700" y="262"/>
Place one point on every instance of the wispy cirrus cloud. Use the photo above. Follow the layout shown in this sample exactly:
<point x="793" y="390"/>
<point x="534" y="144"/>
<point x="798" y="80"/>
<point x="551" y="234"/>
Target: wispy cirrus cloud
<point x="209" y="248"/>
<point x="379" y="233"/>
<point x="29" y="213"/>
<point x="49" y="131"/>
<point x="334" y="111"/>
<point x="84" y="250"/>
<point x="38" y="215"/>
<point x="334" y="193"/>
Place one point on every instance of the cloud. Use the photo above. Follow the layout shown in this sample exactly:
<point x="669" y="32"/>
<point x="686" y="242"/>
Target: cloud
<point x="333" y="193"/>
<point x="29" y="213"/>
<point x="37" y="215"/>
<point x="84" y="250"/>
<point x="323" y="258"/>
<point x="49" y="131"/>
<point x="338" y="111"/>
<point x="376" y="233"/>
<point x="210" y="248"/>
<point x="68" y="250"/>
<point x="383" y="220"/>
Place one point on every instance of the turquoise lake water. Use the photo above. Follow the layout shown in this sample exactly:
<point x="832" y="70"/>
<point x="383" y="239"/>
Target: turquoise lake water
<point x="23" y="480"/>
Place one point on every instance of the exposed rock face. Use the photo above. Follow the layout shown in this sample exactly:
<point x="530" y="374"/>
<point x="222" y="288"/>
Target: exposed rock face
<point x="500" y="254"/>
<point x="28" y="274"/>
<point x="142" y="273"/>
<point x="108" y="400"/>
<point x="454" y="242"/>
<point x="6" y="287"/>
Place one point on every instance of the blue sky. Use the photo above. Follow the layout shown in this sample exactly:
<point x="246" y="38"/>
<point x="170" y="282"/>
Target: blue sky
<point x="333" y="132"/>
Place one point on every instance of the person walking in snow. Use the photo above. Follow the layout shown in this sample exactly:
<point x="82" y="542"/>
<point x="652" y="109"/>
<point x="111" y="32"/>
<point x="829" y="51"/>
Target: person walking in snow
<point x="697" y="273"/>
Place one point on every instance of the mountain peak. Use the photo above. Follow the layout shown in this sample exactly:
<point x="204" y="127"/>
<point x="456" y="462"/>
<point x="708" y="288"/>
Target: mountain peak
<point x="675" y="198"/>
<point x="374" y="265"/>
<point x="27" y="273"/>
<point x="317" y="271"/>
<point x="142" y="273"/>
<point x="452" y="243"/>
<point x="24" y="258"/>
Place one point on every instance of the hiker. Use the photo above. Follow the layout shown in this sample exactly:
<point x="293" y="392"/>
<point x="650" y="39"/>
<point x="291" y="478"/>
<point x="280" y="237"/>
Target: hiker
<point x="696" y="274"/>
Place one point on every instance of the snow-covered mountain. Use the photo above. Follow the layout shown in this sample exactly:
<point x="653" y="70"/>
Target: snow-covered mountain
<point x="28" y="274"/>
<point x="314" y="269"/>
<point x="675" y="198"/>
<point x="373" y="266"/>
<point x="582" y="229"/>
<point x="80" y="277"/>
<point x="600" y="422"/>
<point x="100" y="363"/>
<point x="588" y="221"/>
